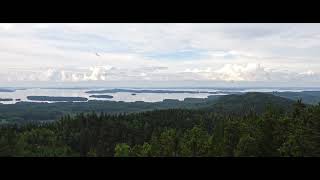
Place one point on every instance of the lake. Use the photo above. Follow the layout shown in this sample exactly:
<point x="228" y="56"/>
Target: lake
<point x="124" y="96"/>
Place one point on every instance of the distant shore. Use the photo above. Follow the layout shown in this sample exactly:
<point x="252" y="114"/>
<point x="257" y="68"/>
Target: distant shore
<point x="52" y="98"/>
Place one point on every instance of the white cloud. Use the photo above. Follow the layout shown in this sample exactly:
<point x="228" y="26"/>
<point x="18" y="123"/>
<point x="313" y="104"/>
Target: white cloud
<point x="249" y="72"/>
<point x="6" y="26"/>
<point x="252" y="72"/>
<point x="228" y="52"/>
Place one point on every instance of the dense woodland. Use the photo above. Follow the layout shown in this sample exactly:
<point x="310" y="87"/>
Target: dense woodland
<point x="293" y="131"/>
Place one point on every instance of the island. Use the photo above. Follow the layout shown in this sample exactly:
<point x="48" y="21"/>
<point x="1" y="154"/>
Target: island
<point x="6" y="99"/>
<point x="101" y="96"/>
<point x="51" y="98"/>
<point x="133" y="94"/>
<point x="7" y="90"/>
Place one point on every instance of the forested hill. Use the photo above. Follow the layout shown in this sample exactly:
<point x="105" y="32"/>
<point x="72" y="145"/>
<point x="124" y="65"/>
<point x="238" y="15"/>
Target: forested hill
<point x="252" y="101"/>
<point x="172" y="132"/>
<point x="26" y="111"/>
<point x="309" y="97"/>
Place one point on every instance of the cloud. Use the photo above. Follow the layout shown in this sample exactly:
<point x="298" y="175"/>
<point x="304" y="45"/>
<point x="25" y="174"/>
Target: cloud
<point x="6" y="26"/>
<point x="159" y="52"/>
<point x="59" y="75"/>
<point x="233" y="72"/>
<point x="248" y="72"/>
<point x="251" y="73"/>
<point x="97" y="73"/>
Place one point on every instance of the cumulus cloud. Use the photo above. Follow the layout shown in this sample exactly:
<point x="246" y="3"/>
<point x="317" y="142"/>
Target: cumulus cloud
<point x="248" y="72"/>
<point x="94" y="73"/>
<point x="58" y="75"/>
<point x="97" y="73"/>
<point x="252" y="72"/>
<point x="229" y="72"/>
<point x="234" y="72"/>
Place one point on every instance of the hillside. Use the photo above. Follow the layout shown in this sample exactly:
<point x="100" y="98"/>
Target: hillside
<point x="309" y="97"/>
<point x="254" y="101"/>
<point x="173" y="132"/>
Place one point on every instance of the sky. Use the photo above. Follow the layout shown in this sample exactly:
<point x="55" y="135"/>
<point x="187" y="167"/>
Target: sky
<point x="160" y="54"/>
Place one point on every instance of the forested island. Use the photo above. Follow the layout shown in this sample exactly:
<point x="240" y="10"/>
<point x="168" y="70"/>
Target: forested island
<point x="52" y="98"/>
<point x="102" y="96"/>
<point x="7" y="90"/>
<point x="6" y="99"/>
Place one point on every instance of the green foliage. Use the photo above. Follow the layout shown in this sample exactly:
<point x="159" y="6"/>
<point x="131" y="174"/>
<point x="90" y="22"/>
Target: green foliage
<point x="231" y="137"/>
<point x="195" y="142"/>
<point x="144" y="150"/>
<point x="169" y="143"/>
<point x="122" y="150"/>
<point x="247" y="146"/>
<point x="4" y="147"/>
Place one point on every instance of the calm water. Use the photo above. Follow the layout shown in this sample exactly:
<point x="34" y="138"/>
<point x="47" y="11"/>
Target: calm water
<point x="120" y="96"/>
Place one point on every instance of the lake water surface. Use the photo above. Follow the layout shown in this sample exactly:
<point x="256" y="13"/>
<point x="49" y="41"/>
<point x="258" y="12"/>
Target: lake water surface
<point x="121" y="96"/>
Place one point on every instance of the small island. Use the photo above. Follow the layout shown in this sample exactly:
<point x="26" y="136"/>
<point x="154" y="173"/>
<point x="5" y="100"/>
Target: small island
<point x="6" y="99"/>
<point x="50" y="98"/>
<point x="7" y="90"/>
<point x="133" y="94"/>
<point x="102" y="96"/>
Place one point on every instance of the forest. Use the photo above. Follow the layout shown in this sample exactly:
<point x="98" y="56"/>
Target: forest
<point x="269" y="130"/>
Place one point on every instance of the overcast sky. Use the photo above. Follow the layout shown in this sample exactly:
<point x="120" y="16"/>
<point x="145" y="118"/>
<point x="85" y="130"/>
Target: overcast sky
<point x="285" y="54"/>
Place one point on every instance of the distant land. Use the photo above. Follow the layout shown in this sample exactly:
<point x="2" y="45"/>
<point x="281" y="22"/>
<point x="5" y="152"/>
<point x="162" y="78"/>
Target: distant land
<point x="70" y="88"/>
<point x="6" y="99"/>
<point x="52" y="98"/>
<point x="309" y="97"/>
<point x="7" y="90"/>
<point x="102" y="96"/>
<point x="146" y="91"/>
